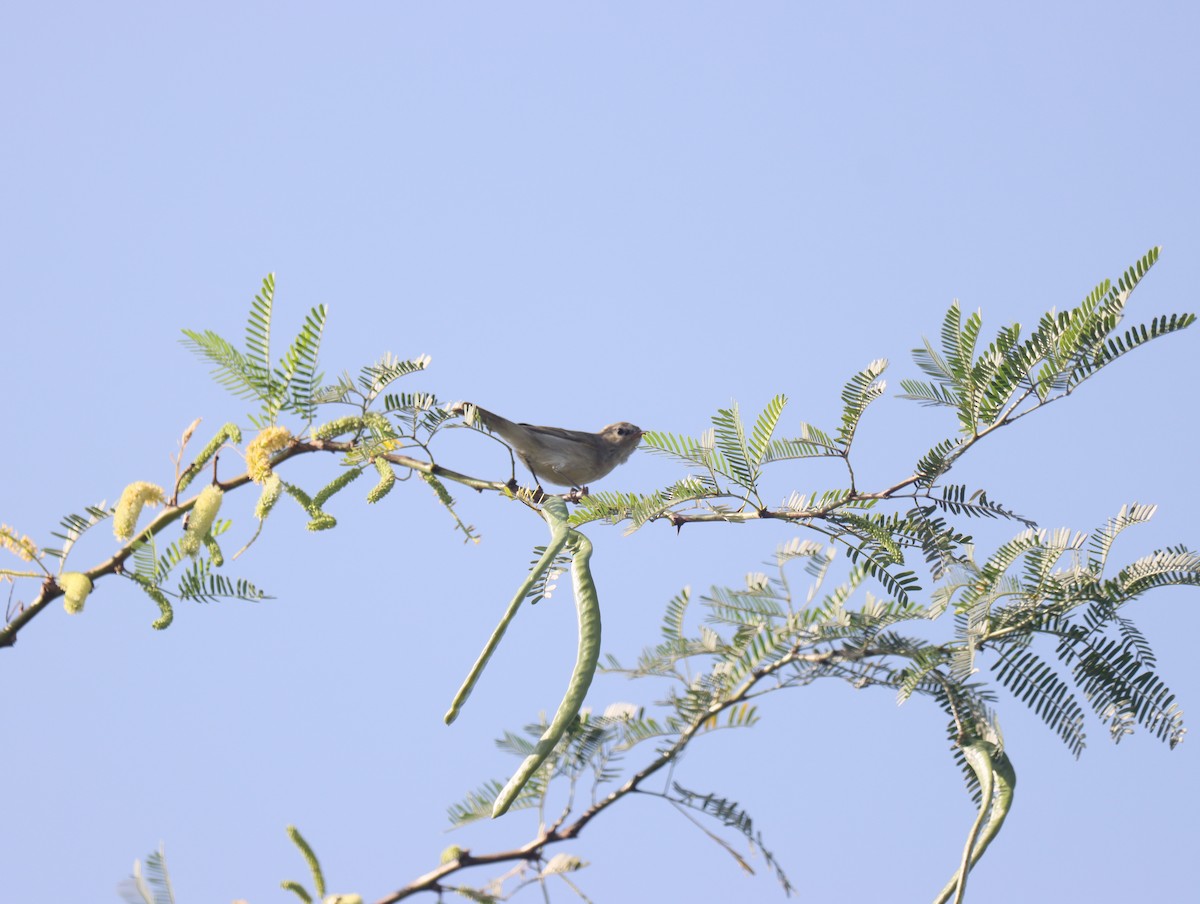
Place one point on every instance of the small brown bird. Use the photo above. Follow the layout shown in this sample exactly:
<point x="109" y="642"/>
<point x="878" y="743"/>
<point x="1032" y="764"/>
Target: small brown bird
<point x="568" y="458"/>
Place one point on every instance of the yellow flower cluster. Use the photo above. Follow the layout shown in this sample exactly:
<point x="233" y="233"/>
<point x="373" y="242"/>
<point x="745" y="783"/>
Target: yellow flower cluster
<point x="133" y="498"/>
<point x="18" y="544"/>
<point x="200" y="522"/>
<point x="260" y="449"/>
<point x="76" y="586"/>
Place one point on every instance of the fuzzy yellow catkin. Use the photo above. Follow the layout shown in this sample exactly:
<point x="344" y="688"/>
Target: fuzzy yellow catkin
<point x="229" y="432"/>
<point x="18" y="544"/>
<point x="322" y="521"/>
<point x="200" y="522"/>
<point x="562" y="863"/>
<point x="164" y="607"/>
<point x="343" y="899"/>
<point x="338" y="427"/>
<point x="387" y="480"/>
<point x="133" y="498"/>
<point x="260" y="449"/>
<point x="214" y="550"/>
<point x="272" y="487"/>
<point x="76" y="586"/>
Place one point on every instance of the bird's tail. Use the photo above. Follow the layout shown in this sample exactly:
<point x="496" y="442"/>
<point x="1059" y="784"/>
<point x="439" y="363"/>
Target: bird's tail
<point x="473" y="413"/>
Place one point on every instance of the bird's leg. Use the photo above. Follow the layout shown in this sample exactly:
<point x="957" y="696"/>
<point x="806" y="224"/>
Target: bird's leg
<point x="538" y="493"/>
<point x="576" y="494"/>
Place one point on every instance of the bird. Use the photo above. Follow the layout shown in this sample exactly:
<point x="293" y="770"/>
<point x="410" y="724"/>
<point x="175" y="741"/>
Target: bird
<point x="568" y="458"/>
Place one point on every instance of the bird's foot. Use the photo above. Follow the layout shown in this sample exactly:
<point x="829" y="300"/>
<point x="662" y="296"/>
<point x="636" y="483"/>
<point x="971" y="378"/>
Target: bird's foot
<point x="576" y="494"/>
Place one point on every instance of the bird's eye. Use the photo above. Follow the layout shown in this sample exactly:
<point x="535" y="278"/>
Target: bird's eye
<point x="621" y="431"/>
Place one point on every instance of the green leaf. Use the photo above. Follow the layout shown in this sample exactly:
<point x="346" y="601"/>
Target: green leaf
<point x="812" y="443"/>
<point x="731" y="814"/>
<point x="764" y="429"/>
<point x="1119" y="346"/>
<point x="928" y="393"/>
<point x="1035" y="683"/>
<point x="672" y="624"/>
<point x="375" y="378"/>
<point x="476" y="805"/>
<point x="199" y="583"/>
<point x="298" y="369"/>
<point x="860" y="391"/>
<point x="1103" y="538"/>
<point x="258" y="330"/>
<point x="75" y="526"/>
<point x="152" y="888"/>
<point x="231" y="368"/>
<point x="730" y="438"/>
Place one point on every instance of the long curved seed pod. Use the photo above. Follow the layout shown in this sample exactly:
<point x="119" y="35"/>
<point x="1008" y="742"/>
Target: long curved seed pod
<point x="1005" y="778"/>
<point x="996" y="777"/>
<point x="554" y="510"/>
<point x="587" y="604"/>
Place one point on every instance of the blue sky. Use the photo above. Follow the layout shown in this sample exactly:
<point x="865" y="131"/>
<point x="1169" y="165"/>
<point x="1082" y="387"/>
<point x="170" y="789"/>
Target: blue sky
<point x="584" y="213"/>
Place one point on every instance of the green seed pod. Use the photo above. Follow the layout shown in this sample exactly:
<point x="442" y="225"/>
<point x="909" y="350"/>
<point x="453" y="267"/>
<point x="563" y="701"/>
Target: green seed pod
<point x="76" y="586"/>
<point x="452" y="853"/>
<point x="587" y="605"/>
<point x="204" y="513"/>
<point x="555" y="513"/>
<point x="133" y="498"/>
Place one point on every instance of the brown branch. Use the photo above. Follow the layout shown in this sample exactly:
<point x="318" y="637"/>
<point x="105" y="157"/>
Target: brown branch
<point x="532" y="850"/>
<point x="50" y="591"/>
<point x="678" y="519"/>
